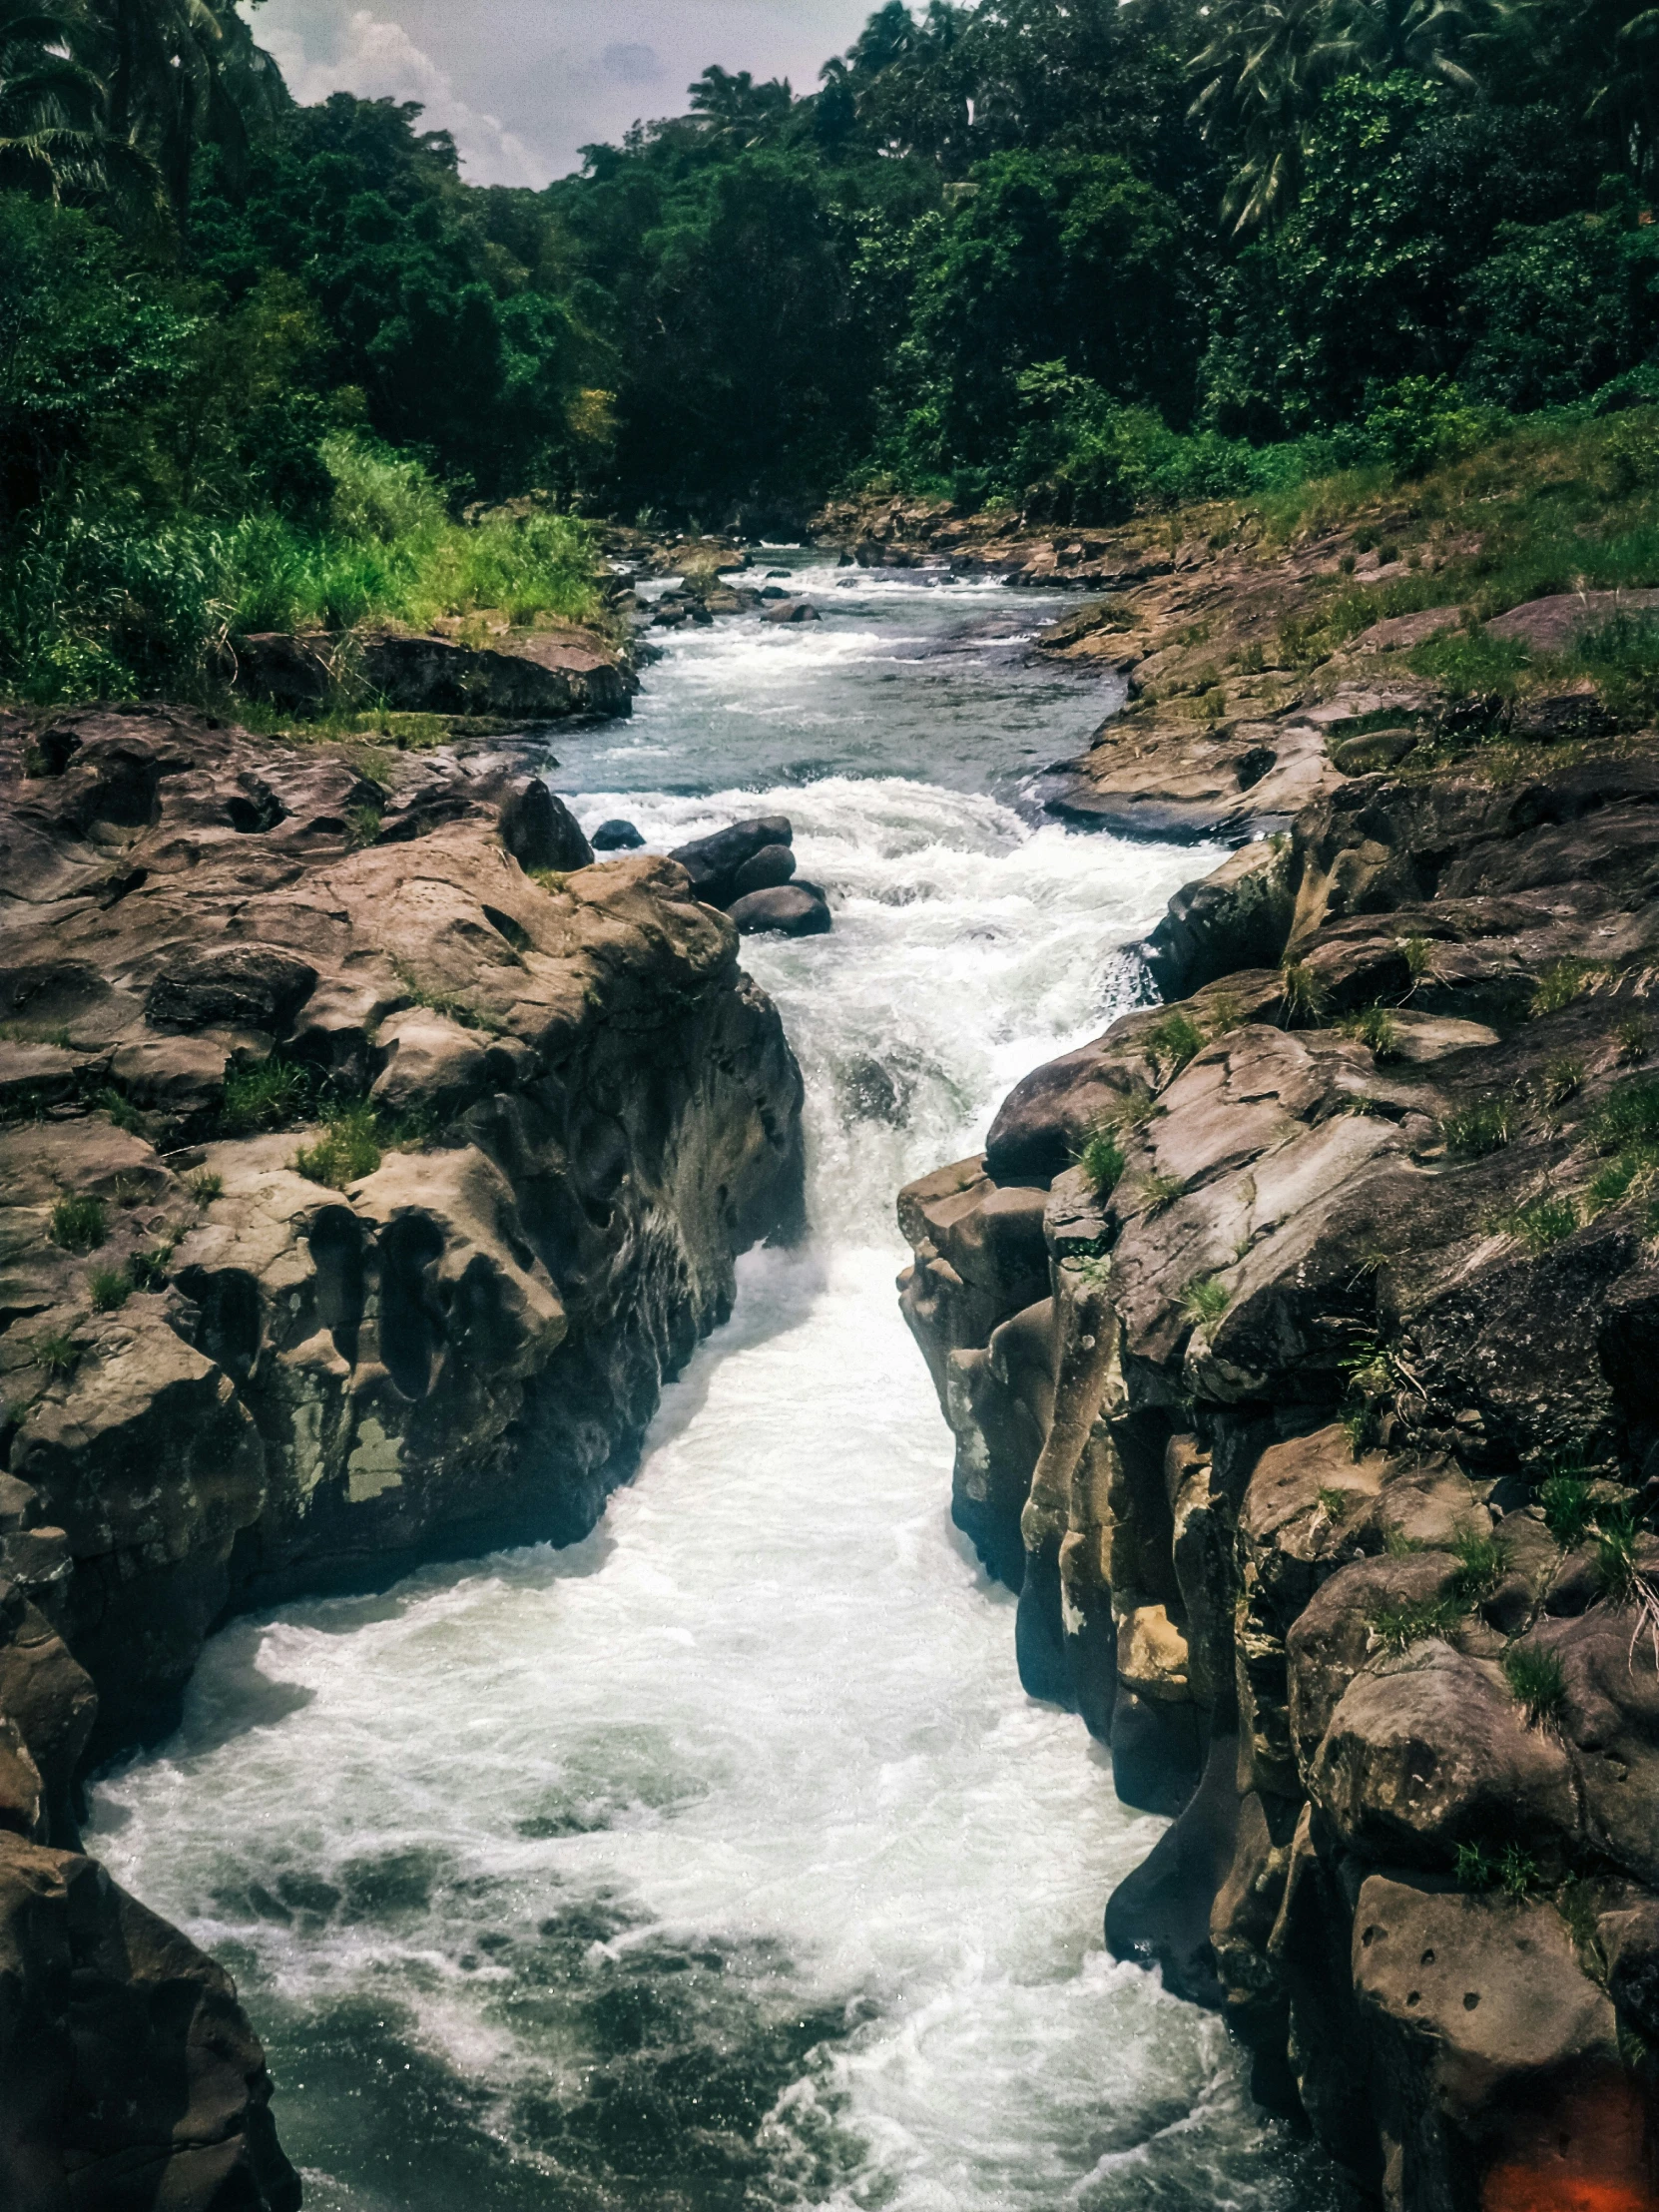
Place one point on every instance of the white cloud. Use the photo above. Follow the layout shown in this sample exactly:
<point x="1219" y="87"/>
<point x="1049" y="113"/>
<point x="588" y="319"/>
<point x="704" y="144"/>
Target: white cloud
<point x="376" y="59"/>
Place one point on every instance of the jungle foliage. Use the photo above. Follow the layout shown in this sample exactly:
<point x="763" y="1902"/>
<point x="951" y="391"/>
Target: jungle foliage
<point x="258" y="361"/>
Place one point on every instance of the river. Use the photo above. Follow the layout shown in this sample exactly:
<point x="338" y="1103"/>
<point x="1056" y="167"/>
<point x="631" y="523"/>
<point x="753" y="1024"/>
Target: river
<point x="719" y="1863"/>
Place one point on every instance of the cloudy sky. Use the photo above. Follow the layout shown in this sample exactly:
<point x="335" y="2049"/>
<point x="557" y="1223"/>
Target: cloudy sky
<point x="524" y="83"/>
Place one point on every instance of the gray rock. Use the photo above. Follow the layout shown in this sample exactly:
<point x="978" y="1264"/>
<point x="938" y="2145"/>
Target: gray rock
<point x="792" y="910"/>
<point x="616" y="835"/>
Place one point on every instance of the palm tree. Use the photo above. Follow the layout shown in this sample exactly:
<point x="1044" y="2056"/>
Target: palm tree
<point x="49" y="104"/>
<point x="177" y="74"/>
<point x="1423" y="36"/>
<point x="1263" y="67"/>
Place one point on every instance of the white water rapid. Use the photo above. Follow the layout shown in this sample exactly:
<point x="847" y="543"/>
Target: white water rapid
<point x="719" y="1863"/>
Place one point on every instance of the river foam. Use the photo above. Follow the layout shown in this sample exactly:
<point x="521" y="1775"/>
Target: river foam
<point x="719" y="1862"/>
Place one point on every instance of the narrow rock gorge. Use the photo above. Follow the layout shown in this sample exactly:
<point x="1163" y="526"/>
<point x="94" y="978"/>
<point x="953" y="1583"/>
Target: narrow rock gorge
<point x="370" y="1158"/>
<point x="1298" y="1339"/>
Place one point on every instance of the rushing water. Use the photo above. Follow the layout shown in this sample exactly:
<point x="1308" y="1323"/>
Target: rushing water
<point x="719" y="1862"/>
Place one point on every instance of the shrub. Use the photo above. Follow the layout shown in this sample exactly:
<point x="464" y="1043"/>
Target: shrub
<point x="1474" y="1131"/>
<point x="110" y="1288"/>
<point x="1205" y="1300"/>
<point x="349" y="1148"/>
<point x="1537" y="1682"/>
<point x="79" y="1221"/>
<point x="1102" y="1159"/>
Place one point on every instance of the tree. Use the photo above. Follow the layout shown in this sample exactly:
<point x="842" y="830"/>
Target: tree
<point x="50" y="103"/>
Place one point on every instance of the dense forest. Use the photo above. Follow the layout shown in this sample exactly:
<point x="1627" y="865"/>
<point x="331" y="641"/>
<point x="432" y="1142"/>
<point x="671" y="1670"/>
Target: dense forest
<point x="258" y="361"/>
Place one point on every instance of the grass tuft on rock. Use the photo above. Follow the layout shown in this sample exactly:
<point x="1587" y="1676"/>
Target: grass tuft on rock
<point x="269" y="1094"/>
<point x="1173" y="1040"/>
<point x="1567" y="1506"/>
<point x="1541" y="1222"/>
<point x="1481" y="1562"/>
<point x="1376" y="1027"/>
<point x="348" y="1149"/>
<point x="149" y="1269"/>
<point x="1537" y="1682"/>
<point x="1474" y="1131"/>
<point x="79" y="1221"/>
<point x="1205" y="1300"/>
<point x="108" y="1288"/>
<point x="1160" y="1191"/>
<point x="1416" y="1620"/>
<point x="1102" y="1159"/>
<point x="1302" y="996"/>
<point x="205" y="1185"/>
<point x="59" y="1354"/>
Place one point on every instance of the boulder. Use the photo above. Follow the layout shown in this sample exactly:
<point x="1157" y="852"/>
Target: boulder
<point x="1238" y="917"/>
<point x="1160" y="1913"/>
<point x="766" y="870"/>
<point x="540" y="832"/>
<point x="712" y="863"/>
<point x="616" y="835"/>
<point x="239" y="987"/>
<point x="792" y="910"/>
<point x="792" y="610"/>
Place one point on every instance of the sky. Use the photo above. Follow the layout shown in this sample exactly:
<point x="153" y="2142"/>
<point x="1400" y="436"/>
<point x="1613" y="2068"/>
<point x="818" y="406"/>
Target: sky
<point x="523" y="82"/>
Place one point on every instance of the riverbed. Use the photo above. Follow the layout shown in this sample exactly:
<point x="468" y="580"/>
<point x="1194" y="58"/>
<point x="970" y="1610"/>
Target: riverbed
<point x="719" y="1863"/>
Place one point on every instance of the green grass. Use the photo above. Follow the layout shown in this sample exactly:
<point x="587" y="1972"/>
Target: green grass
<point x="1474" y="1131"/>
<point x="1397" y="1627"/>
<point x="58" y="1354"/>
<point x="1301" y="995"/>
<point x="121" y="1111"/>
<point x="1359" y="1426"/>
<point x="268" y="1094"/>
<point x="1561" y="1078"/>
<point x="1633" y="1041"/>
<point x="79" y="1223"/>
<point x="1481" y="1562"/>
<point x="1160" y="1191"/>
<point x="108" y="1288"/>
<point x="1511" y="1869"/>
<point x="30" y="1032"/>
<point x="363" y="826"/>
<point x="1537" y="1682"/>
<point x="1376" y="1027"/>
<point x="1332" y="1503"/>
<point x="205" y="1185"/>
<point x="1102" y="1159"/>
<point x="551" y="880"/>
<point x="1419" y="957"/>
<point x="1615" y="1560"/>
<point x="1560" y="983"/>
<point x="150" y="1269"/>
<point x="349" y="1148"/>
<point x="1565" y="1501"/>
<point x="1541" y="1222"/>
<point x="1171" y="1041"/>
<point x="1205" y="1300"/>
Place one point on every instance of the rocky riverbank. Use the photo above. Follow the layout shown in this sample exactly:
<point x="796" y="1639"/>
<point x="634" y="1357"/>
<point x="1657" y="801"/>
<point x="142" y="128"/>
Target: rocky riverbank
<point x="369" y="1158"/>
<point x="1298" y="1341"/>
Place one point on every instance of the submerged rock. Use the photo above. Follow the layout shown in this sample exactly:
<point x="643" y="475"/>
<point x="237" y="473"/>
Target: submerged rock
<point x="616" y="835"/>
<point x="790" y="910"/>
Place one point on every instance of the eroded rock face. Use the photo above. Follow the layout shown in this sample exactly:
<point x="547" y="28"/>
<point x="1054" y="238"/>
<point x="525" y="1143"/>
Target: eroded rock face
<point x="359" y="1190"/>
<point x="1328" y="1423"/>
